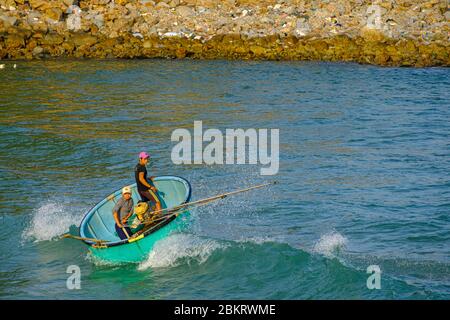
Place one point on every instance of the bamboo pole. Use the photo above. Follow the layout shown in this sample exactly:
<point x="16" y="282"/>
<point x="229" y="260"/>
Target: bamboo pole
<point x="173" y="211"/>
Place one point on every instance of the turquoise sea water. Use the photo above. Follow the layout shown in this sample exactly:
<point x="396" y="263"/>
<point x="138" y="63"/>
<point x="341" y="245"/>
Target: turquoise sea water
<point x="364" y="178"/>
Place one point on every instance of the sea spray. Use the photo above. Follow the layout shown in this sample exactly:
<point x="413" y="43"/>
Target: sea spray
<point x="330" y="243"/>
<point x="50" y="220"/>
<point x="259" y="240"/>
<point x="98" y="262"/>
<point x="225" y="217"/>
<point x="179" y="248"/>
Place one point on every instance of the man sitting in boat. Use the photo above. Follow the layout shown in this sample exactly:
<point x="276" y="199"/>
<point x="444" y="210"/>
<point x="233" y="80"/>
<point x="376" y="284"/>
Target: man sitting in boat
<point x="146" y="191"/>
<point x="122" y="211"/>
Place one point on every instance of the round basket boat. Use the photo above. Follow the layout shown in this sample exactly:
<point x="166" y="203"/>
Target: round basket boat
<point x="99" y="223"/>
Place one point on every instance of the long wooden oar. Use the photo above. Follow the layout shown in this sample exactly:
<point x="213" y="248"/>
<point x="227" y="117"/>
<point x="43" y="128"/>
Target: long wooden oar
<point x="68" y="235"/>
<point x="175" y="210"/>
<point x="172" y="211"/>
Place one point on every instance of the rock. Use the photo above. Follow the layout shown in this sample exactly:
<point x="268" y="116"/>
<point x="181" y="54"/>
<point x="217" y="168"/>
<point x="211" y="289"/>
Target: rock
<point x="82" y="39"/>
<point x="162" y="5"/>
<point x="171" y="34"/>
<point x="430" y="4"/>
<point x="37" y="51"/>
<point x="185" y="11"/>
<point x="73" y="9"/>
<point x="174" y="3"/>
<point x="257" y="50"/>
<point x="54" y="13"/>
<point x="52" y="39"/>
<point x="39" y="4"/>
<point x="180" y="53"/>
<point x="8" y="4"/>
<point x="408" y="33"/>
<point x="73" y="22"/>
<point x="147" y="44"/>
<point x="68" y="3"/>
<point x="96" y="18"/>
<point x="447" y="15"/>
<point x="14" y="41"/>
<point x="148" y="3"/>
<point x="372" y="35"/>
<point x="302" y="28"/>
<point x="35" y="20"/>
<point x="8" y="20"/>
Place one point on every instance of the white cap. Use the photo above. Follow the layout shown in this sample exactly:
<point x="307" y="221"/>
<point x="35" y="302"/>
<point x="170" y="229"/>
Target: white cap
<point x="126" y="189"/>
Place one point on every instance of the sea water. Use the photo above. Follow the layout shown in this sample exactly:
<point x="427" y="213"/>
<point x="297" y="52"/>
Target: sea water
<point x="363" y="178"/>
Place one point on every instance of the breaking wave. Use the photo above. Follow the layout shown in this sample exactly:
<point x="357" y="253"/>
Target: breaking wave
<point x="49" y="221"/>
<point x="330" y="243"/>
<point x="180" y="248"/>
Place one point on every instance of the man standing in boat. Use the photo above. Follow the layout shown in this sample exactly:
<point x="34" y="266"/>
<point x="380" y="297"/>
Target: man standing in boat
<point x="145" y="189"/>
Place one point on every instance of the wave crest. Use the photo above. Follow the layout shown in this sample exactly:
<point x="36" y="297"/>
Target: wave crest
<point x="330" y="243"/>
<point x="179" y="248"/>
<point x="49" y="221"/>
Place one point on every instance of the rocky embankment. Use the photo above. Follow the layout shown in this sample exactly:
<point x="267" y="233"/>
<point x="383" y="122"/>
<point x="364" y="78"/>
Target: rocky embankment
<point x="385" y="32"/>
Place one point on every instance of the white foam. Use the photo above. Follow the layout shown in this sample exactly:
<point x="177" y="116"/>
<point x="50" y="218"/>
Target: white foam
<point x="180" y="248"/>
<point x="330" y="243"/>
<point x="49" y="221"/>
<point x="258" y="240"/>
<point x="103" y="263"/>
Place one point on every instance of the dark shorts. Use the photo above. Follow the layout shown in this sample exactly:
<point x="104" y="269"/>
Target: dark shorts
<point x="148" y="196"/>
<point x="121" y="232"/>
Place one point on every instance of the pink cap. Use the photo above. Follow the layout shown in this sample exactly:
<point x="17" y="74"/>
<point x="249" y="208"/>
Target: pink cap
<point x="144" y="155"/>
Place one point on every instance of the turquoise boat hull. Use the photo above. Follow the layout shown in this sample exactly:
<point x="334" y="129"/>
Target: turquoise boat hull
<point x="99" y="223"/>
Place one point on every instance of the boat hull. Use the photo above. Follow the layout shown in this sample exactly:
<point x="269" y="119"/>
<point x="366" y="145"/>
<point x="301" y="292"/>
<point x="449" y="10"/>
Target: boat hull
<point x="137" y="251"/>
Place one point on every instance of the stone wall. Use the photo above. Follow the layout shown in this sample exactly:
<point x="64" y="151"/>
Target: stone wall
<point x="384" y="32"/>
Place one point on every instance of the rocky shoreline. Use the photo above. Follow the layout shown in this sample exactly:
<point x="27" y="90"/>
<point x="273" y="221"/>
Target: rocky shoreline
<point x="385" y="32"/>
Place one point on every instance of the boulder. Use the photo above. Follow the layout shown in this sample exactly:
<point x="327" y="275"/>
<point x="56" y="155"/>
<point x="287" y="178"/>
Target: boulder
<point x="372" y="35"/>
<point x="39" y="4"/>
<point x="257" y="50"/>
<point x="73" y="22"/>
<point x="8" y="4"/>
<point x="68" y="3"/>
<point x="162" y="5"/>
<point x="54" y="13"/>
<point x="8" y="21"/>
<point x="82" y="39"/>
<point x="185" y="11"/>
<point x="447" y="15"/>
<point x="14" y="41"/>
<point x="174" y="3"/>
<point x="147" y="44"/>
<point x="180" y="53"/>
<point x="52" y="39"/>
<point x="37" y="51"/>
